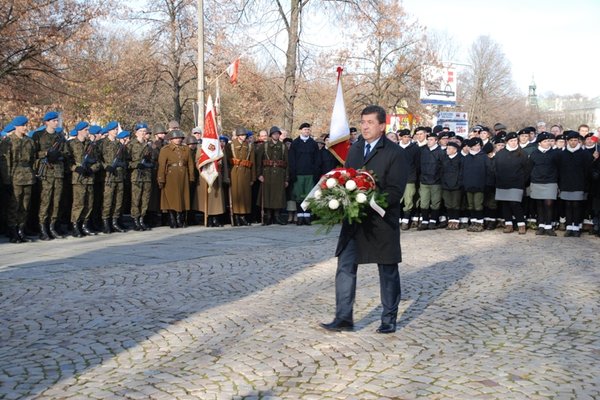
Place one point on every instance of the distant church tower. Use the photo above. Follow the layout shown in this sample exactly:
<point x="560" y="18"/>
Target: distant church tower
<point x="532" y="96"/>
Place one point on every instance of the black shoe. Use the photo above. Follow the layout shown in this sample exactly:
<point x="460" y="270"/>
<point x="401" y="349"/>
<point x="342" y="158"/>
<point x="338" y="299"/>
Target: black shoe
<point x="550" y="232"/>
<point x="143" y="225"/>
<point x="243" y="221"/>
<point x="106" y="226"/>
<point x="172" y="220"/>
<point x="21" y="233"/>
<point x="44" y="233"/>
<point x="386" y="328"/>
<point x="116" y="227"/>
<point x="568" y="233"/>
<point x="181" y="223"/>
<point x="300" y="221"/>
<point x="53" y="232"/>
<point x="540" y="232"/>
<point x="86" y="229"/>
<point x="338" y="326"/>
<point x="76" y="231"/>
<point x="13" y="235"/>
<point x="576" y="233"/>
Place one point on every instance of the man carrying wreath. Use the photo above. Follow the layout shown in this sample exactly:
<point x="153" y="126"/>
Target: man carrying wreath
<point x="376" y="239"/>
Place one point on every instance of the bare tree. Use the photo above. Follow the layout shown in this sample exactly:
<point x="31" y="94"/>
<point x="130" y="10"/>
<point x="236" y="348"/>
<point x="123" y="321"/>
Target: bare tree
<point x="488" y="89"/>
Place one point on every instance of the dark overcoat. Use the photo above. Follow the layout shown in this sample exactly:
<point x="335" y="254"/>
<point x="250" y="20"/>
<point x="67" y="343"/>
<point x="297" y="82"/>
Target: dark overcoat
<point x="378" y="239"/>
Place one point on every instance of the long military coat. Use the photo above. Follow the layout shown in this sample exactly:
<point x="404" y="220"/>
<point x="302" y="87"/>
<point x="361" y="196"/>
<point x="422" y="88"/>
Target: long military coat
<point x="272" y="165"/>
<point x="175" y="173"/>
<point x="216" y="197"/>
<point x="240" y="159"/>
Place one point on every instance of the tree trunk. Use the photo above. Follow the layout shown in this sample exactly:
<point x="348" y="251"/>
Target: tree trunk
<point x="289" y="86"/>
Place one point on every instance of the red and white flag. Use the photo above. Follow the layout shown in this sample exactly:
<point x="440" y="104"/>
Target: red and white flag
<point x="339" y="130"/>
<point x="233" y="70"/>
<point x="210" y="152"/>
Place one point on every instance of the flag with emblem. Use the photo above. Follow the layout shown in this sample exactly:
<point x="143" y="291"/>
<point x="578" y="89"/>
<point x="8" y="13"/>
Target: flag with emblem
<point x="210" y="152"/>
<point x="339" y="130"/>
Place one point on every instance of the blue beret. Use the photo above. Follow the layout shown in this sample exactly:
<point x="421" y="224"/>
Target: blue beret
<point x="103" y="131"/>
<point x="95" y="129"/>
<point x="50" y="115"/>
<point x="249" y="133"/>
<point x="73" y="132"/>
<point x="123" y="135"/>
<point x="59" y="129"/>
<point x="111" y="125"/>
<point x="8" y="129"/>
<point x="81" y="125"/>
<point x="141" y="125"/>
<point x="20" y="120"/>
<point x="224" y="139"/>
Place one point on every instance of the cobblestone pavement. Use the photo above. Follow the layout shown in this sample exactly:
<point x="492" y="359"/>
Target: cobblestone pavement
<point x="229" y="313"/>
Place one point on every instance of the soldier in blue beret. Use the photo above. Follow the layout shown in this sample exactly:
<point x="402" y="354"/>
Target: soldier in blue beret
<point x="51" y="153"/>
<point x="114" y="159"/>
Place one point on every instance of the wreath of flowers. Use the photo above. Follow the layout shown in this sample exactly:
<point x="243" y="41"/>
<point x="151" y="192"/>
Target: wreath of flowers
<point x="345" y="194"/>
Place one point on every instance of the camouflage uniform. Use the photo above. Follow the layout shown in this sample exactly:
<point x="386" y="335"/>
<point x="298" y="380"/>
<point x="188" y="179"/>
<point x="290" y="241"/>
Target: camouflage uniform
<point x="114" y="159"/>
<point x="84" y="162"/>
<point x="20" y="157"/>
<point x="141" y="164"/>
<point x="50" y="166"/>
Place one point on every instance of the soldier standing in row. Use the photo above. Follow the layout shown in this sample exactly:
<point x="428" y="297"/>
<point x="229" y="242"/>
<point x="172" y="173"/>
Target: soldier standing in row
<point x="50" y="149"/>
<point x="114" y="160"/>
<point x="20" y="158"/>
<point x="84" y="163"/>
<point x="141" y="165"/>
<point x="240" y="159"/>
<point x="158" y="142"/>
<point x="273" y="173"/>
<point x="175" y="173"/>
<point x="305" y="168"/>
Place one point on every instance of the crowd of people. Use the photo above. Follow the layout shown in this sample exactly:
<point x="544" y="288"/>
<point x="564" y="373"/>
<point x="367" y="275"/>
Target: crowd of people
<point x="102" y="179"/>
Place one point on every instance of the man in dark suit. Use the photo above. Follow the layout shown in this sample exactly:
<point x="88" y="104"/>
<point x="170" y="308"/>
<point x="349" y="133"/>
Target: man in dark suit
<point x="376" y="239"/>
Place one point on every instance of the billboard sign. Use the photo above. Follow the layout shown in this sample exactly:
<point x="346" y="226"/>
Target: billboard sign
<point x="456" y="121"/>
<point x="438" y="86"/>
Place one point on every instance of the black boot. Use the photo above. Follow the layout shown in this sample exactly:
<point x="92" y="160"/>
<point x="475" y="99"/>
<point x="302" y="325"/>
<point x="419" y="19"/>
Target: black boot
<point x="236" y="220"/>
<point x="181" y="220"/>
<point x="116" y="227"/>
<point x="53" y="232"/>
<point x="21" y="233"/>
<point x="172" y="220"/>
<point x="106" y="226"/>
<point x="76" y="231"/>
<point x="267" y="219"/>
<point x="14" y="235"/>
<point x="43" y="232"/>
<point x="142" y="225"/>
<point x="136" y="224"/>
<point x="243" y="221"/>
<point x="280" y="219"/>
<point x="85" y="228"/>
<point x="307" y="220"/>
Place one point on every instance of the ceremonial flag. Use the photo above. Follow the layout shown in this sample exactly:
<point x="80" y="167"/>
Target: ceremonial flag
<point x="232" y="71"/>
<point x="339" y="130"/>
<point x="210" y="152"/>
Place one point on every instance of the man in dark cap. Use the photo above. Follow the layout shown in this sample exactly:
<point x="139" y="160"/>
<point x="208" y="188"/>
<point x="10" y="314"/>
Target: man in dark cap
<point x="411" y="153"/>
<point x="305" y="168"/>
<point x="51" y="151"/>
<point x="272" y="171"/>
<point x="353" y="135"/>
<point x="157" y="142"/>
<point x="242" y="167"/>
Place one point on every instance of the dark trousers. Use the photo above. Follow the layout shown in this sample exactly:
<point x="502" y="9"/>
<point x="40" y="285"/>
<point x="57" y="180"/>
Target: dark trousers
<point x="345" y="287"/>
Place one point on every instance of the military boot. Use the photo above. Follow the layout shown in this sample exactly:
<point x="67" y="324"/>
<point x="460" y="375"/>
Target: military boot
<point x="172" y="220"/>
<point x="21" y="233"/>
<point x="116" y="227"/>
<point x="44" y="232"/>
<point x="243" y="221"/>
<point x="143" y="225"/>
<point x="106" y="226"/>
<point x="136" y="224"/>
<point x="75" y="229"/>
<point x="53" y="232"/>
<point x="13" y="235"/>
<point x="85" y="228"/>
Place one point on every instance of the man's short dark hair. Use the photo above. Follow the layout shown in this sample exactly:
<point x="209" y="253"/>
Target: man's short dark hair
<point x="373" y="109"/>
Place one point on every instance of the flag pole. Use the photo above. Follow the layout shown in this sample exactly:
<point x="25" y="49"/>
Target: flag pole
<point x="201" y="64"/>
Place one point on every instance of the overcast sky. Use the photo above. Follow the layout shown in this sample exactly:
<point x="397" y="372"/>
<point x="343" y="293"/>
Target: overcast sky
<point x="556" y="41"/>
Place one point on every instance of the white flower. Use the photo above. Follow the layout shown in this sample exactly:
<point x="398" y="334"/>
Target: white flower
<point x="318" y="194"/>
<point x="331" y="183"/>
<point x="350" y="185"/>
<point x="333" y="204"/>
<point x="361" y="198"/>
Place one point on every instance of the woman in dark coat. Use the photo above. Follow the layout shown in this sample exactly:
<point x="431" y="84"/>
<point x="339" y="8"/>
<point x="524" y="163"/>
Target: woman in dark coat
<point x="543" y="163"/>
<point x="511" y="172"/>
<point x="574" y="166"/>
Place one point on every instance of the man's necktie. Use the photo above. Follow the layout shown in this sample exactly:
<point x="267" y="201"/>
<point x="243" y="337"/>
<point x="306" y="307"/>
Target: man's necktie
<point x="367" y="150"/>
